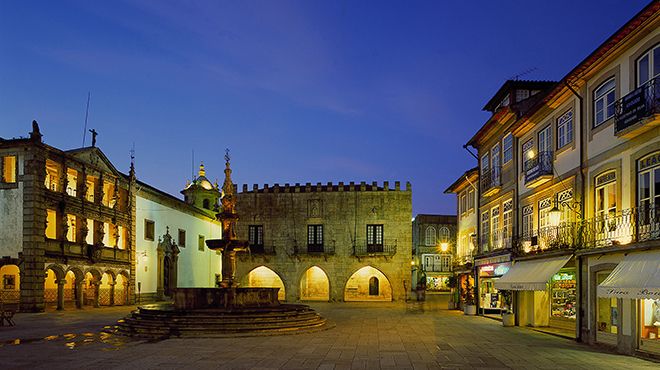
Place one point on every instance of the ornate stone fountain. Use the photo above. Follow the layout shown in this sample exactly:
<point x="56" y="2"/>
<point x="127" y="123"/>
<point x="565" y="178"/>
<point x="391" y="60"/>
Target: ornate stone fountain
<point x="227" y="310"/>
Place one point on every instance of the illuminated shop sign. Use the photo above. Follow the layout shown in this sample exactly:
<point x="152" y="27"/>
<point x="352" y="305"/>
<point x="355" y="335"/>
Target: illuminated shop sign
<point x="563" y="276"/>
<point x="498" y="269"/>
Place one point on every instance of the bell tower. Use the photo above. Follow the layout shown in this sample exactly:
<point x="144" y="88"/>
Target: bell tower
<point x="201" y="193"/>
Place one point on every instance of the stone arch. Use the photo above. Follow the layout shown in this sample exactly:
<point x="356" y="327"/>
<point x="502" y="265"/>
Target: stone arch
<point x="263" y="276"/>
<point x="120" y="291"/>
<point x="54" y="280"/>
<point x="91" y="285"/>
<point x="106" y="288"/>
<point x="314" y="284"/>
<point x="10" y="290"/>
<point x="357" y="286"/>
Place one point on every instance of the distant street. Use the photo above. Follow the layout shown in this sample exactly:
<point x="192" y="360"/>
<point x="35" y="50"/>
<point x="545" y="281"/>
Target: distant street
<point x="366" y="336"/>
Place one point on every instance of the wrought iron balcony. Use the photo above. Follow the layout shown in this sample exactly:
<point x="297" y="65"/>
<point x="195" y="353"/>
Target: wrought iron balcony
<point x="386" y="249"/>
<point x="262" y="249"/>
<point x="624" y="227"/>
<point x="496" y="240"/>
<point x="632" y="112"/>
<point x="316" y="249"/>
<point x="491" y="181"/>
<point x="565" y="236"/>
<point x="538" y="170"/>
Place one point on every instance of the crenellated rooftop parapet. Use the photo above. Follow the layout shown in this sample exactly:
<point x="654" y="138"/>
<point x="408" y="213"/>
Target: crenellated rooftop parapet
<point x="327" y="187"/>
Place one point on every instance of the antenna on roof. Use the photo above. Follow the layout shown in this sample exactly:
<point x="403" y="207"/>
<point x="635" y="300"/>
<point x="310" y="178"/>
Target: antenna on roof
<point x="525" y="72"/>
<point x="89" y="94"/>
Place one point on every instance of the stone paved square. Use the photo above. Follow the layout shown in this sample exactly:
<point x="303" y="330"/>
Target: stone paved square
<point x="365" y="336"/>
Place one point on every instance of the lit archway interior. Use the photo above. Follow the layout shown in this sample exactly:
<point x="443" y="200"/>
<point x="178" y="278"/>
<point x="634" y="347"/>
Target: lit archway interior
<point x="50" y="287"/>
<point x="10" y="290"/>
<point x="368" y="284"/>
<point x="314" y="285"/>
<point x="90" y="289"/>
<point x="104" y="289"/>
<point x="69" y="287"/>
<point x="263" y="277"/>
<point x="120" y="290"/>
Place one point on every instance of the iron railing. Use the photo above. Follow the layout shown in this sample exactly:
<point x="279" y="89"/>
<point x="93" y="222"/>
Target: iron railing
<point x="386" y="249"/>
<point x="496" y="240"/>
<point x="640" y="103"/>
<point x="491" y="178"/>
<point x="538" y="166"/>
<point x="565" y="236"/>
<point x="315" y="249"/>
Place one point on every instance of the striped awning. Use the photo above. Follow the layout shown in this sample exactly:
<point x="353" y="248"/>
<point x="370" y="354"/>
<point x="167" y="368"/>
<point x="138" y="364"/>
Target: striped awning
<point x="637" y="276"/>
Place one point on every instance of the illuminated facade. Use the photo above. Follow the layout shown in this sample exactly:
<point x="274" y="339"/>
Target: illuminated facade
<point x="327" y="242"/>
<point x="434" y="251"/>
<point x="584" y="246"/>
<point x="75" y="232"/>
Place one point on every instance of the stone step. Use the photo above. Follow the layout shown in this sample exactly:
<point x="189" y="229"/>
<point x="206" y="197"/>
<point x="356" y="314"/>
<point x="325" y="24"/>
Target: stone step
<point x="225" y="324"/>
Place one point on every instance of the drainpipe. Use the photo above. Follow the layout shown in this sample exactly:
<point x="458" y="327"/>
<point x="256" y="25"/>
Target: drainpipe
<point x="475" y="272"/>
<point x="579" y="262"/>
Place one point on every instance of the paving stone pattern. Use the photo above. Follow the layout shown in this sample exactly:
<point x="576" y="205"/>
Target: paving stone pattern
<point x="366" y="336"/>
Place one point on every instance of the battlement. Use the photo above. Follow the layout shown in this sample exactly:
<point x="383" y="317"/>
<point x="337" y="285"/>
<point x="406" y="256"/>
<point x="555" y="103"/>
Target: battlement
<point x="325" y="187"/>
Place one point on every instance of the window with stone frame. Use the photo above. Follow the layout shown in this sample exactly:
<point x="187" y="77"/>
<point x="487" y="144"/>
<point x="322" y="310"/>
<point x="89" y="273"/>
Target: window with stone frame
<point x="315" y="237"/>
<point x="374" y="235"/>
<point x="648" y="65"/>
<point x="430" y="236"/>
<point x="485" y="231"/>
<point x="565" y="129"/>
<point x="528" y="221"/>
<point x="182" y="238"/>
<point x="256" y="235"/>
<point x="470" y="199"/>
<point x="604" y="98"/>
<point x="8" y="164"/>
<point x="507" y="148"/>
<point x="507" y="223"/>
<point x="149" y="229"/>
<point x="201" y="243"/>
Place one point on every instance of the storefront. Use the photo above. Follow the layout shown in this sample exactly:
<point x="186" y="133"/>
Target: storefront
<point x="438" y="283"/>
<point x="490" y="299"/>
<point x="546" y="292"/>
<point x="563" y="299"/>
<point x="635" y="282"/>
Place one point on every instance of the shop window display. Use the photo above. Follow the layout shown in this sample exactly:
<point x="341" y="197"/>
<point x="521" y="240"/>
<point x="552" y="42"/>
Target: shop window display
<point x="563" y="298"/>
<point x="607" y="319"/>
<point x="650" y="324"/>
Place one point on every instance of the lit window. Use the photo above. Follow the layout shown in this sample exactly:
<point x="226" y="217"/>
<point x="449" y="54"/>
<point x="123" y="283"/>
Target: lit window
<point x="565" y="129"/>
<point x="52" y="179"/>
<point x="374" y="235"/>
<point x="604" y="98"/>
<point x="314" y="235"/>
<point x="485" y="230"/>
<point x="507" y="148"/>
<point x="9" y="169"/>
<point x="72" y="181"/>
<point x="51" y="224"/>
<point x="71" y="232"/>
<point x="149" y="230"/>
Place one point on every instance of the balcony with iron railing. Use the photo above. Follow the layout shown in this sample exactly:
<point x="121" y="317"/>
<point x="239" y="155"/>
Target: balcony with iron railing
<point x="623" y="228"/>
<point x="315" y="249"/>
<point x="538" y="169"/>
<point x="388" y="248"/>
<point x="491" y="181"/>
<point x="262" y="249"/>
<point x="638" y="111"/>
<point x="495" y="241"/>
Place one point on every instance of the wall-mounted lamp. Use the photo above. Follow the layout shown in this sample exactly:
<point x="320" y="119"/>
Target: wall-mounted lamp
<point x="444" y="246"/>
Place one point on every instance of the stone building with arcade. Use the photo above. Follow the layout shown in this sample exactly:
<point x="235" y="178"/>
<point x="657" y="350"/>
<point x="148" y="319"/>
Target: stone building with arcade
<point x="75" y="232"/>
<point x="327" y="242"/>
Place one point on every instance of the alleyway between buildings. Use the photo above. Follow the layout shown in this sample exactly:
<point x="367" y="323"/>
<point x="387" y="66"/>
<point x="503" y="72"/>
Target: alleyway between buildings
<point x="365" y="336"/>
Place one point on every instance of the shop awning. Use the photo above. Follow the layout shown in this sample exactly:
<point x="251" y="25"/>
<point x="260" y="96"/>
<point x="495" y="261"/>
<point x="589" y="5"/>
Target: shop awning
<point x="531" y="275"/>
<point x="637" y="276"/>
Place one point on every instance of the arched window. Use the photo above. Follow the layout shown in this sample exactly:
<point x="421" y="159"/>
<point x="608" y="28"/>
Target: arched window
<point x="205" y="204"/>
<point x="604" y="98"/>
<point x="430" y="236"/>
<point x="444" y="234"/>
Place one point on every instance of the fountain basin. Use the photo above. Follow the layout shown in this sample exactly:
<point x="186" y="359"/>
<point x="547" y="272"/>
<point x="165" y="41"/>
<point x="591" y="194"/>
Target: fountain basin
<point x="186" y="299"/>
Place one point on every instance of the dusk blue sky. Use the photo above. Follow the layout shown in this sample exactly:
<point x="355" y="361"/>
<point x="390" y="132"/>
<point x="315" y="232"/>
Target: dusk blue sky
<point x="306" y="91"/>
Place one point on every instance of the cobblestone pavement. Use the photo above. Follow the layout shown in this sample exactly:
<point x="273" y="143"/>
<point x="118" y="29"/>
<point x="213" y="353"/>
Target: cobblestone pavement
<point x="366" y="336"/>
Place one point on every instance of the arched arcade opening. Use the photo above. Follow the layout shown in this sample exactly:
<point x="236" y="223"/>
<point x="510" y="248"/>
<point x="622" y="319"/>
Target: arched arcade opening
<point x="314" y="285"/>
<point x="368" y="284"/>
<point x="263" y="277"/>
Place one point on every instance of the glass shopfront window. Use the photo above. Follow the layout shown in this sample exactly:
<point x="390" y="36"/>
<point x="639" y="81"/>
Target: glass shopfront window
<point x="563" y="295"/>
<point x="490" y="299"/>
<point x="649" y="316"/>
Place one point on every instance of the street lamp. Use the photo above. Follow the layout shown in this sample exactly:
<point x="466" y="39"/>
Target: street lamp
<point x="444" y="246"/>
<point x="554" y="215"/>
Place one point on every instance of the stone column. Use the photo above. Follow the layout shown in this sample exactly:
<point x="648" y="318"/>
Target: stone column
<point x="60" y="293"/>
<point x="126" y="287"/>
<point x="97" y="288"/>
<point x="112" y="293"/>
<point x="80" y="293"/>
